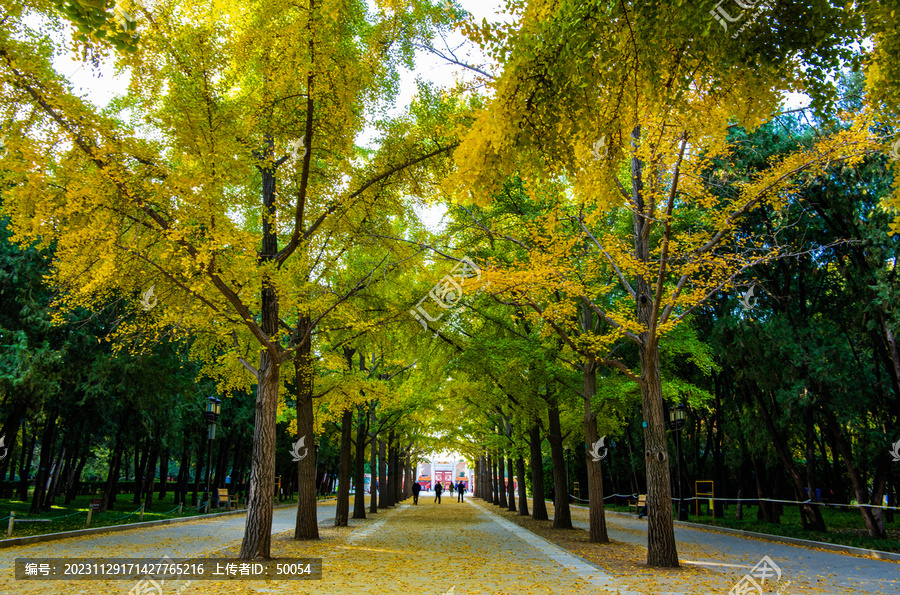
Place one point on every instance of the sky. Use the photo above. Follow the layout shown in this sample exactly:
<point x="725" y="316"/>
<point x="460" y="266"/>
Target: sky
<point x="101" y="85"/>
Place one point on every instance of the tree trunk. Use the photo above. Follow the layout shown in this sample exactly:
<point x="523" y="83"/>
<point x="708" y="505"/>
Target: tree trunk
<point x="75" y="481"/>
<point x="510" y="486"/>
<point x="198" y="467"/>
<point x="150" y="475"/>
<point x="373" y="462"/>
<point x="392" y="469"/>
<point x="661" y="548"/>
<point x="397" y="476"/>
<point x="164" y="473"/>
<point x="359" y="499"/>
<point x="482" y="478"/>
<point x="342" y="510"/>
<point x="808" y="512"/>
<point x="260" y="503"/>
<point x="401" y="474"/>
<point x="183" y="468"/>
<point x="46" y="458"/>
<point x="597" y="529"/>
<point x="479" y="478"/>
<point x="382" y="475"/>
<point x="562" y="517"/>
<point x="494" y="480"/>
<point x="810" y="456"/>
<point x="476" y="479"/>
<point x="50" y="495"/>
<point x="68" y="470"/>
<point x="537" y="474"/>
<point x="112" y="475"/>
<point x="221" y="462"/>
<point x="407" y="477"/>
<point x="523" y="493"/>
<point x="501" y="482"/>
<point x="139" y="469"/>
<point x="874" y="529"/>
<point x="307" y="524"/>
<point x="25" y="463"/>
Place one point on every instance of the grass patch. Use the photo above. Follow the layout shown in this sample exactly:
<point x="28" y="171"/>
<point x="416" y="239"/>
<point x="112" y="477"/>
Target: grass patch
<point x="71" y="517"/>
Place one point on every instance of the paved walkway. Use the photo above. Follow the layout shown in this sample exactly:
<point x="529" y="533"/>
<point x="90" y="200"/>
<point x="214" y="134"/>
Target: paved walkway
<point x="735" y="555"/>
<point x="456" y="549"/>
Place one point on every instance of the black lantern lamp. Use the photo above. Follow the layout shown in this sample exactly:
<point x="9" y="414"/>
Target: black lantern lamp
<point x="213" y="410"/>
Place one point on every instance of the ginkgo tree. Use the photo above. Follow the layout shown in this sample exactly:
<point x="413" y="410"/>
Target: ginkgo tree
<point x="221" y="177"/>
<point x="626" y="106"/>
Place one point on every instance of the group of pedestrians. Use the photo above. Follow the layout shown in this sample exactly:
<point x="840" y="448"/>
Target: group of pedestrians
<point x="438" y="489"/>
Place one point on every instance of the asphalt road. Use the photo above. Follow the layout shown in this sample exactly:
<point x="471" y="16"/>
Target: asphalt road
<point x="736" y="555"/>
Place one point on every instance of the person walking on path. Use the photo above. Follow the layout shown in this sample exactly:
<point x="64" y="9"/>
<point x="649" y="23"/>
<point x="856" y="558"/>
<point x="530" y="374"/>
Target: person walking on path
<point x="438" y="488"/>
<point x="416" y="488"/>
<point x="460" y="490"/>
<point x="450" y="487"/>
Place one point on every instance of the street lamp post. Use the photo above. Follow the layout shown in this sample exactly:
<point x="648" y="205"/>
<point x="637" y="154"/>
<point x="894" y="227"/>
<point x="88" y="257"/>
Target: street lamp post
<point x="677" y="419"/>
<point x="213" y="409"/>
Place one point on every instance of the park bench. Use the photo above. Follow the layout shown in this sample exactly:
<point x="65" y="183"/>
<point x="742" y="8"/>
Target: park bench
<point x="225" y="498"/>
<point x="639" y="503"/>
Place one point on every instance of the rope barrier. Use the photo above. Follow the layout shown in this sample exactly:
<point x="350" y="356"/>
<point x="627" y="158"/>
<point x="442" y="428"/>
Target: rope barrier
<point x="127" y="515"/>
<point x="57" y="518"/>
<point x="171" y="511"/>
<point x="43" y="520"/>
<point x="814" y="503"/>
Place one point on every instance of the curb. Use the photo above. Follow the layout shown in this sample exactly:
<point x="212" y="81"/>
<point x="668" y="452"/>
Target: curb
<point x="14" y="541"/>
<point x="834" y="547"/>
